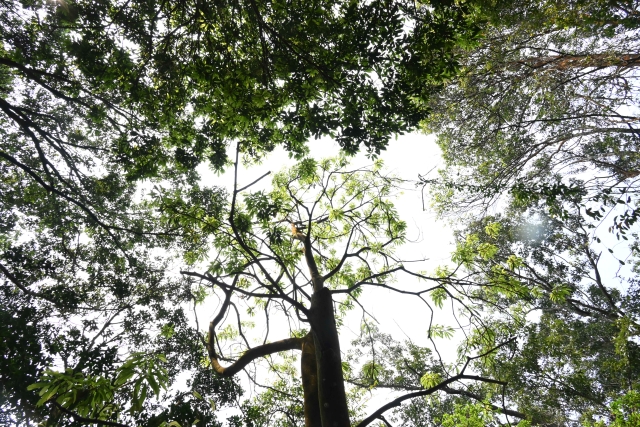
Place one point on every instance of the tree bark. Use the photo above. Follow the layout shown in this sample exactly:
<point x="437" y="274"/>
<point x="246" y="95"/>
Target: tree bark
<point x="598" y="60"/>
<point x="331" y="394"/>
<point x="332" y="398"/>
<point x="309" y="370"/>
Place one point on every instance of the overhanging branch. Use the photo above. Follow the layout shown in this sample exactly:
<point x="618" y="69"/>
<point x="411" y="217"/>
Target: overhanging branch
<point x="254" y="353"/>
<point x="397" y="402"/>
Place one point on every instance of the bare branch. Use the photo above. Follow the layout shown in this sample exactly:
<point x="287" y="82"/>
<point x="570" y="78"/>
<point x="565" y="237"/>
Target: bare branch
<point x="249" y="185"/>
<point x="397" y="402"/>
<point x="254" y="353"/>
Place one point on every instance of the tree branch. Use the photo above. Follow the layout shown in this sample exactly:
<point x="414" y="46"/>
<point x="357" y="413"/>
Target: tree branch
<point x="397" y="402"/>
<point x="254" y="353"/>
<point x="479" y="398"/>
<point x="23" y="288"/>
<point x="85" y="420"/>
<point x="316" y="279"/>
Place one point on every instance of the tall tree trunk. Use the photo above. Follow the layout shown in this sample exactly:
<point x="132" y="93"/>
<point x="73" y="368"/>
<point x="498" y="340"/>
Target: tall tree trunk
<point x="596" y="60"/>
<point x="332" y="399"/>
<point x="309" y="370"/>
<point x="331" y="394"/>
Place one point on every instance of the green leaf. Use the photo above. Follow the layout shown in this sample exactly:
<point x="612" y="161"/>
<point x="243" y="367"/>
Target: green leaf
<point x="441" y="331"/>
<point x="493" y="229"/>
<point x="37" y="385"/>
<point x="47" y="394"/>
<point x="439" y="296"/>
<point x="487" y="250"/>
<point x="371" y="371"/>
<point x="153" y="383"/>
<point x="560" y="293"/>
<point x="514" y="262"/>
<point x="430" y="379"/>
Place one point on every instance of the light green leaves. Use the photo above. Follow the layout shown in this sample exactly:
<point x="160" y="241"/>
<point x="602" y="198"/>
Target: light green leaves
<point x="560" y="293"/>
<point x="306" y="171"/>
<point x="346" y="369"/>
<point x="442" y="272"/>
<point x="227" y="333"/>
<point x="487" y="250"/>
<point x="438" y="296"/>
<point x="493" y="229"/>
<point x="336" y="214"/>
<point x="430" y="379"/>
<point x="514" y="262"/>
<point x="468" y="415"/>
<point x="466" y="251"/>
<point x="371" y="372"/>
<point x="441" y="331"/>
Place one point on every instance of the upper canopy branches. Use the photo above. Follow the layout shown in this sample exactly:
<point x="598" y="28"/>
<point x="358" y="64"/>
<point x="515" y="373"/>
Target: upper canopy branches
<point x="346" y="220"/>
<point x="161" y="84"/>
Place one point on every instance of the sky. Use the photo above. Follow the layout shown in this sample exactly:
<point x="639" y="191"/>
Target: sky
<point x="429" y="241"/>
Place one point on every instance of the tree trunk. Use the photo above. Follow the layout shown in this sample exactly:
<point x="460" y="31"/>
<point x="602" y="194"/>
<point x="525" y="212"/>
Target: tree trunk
<point x="566" y="62"/>
<point x="331" y="394"/>
<point x="331" y="397"/>
<point x="309" y="370"/>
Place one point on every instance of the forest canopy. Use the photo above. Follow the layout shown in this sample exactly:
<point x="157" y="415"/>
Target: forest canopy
<point x="136" y="288"/>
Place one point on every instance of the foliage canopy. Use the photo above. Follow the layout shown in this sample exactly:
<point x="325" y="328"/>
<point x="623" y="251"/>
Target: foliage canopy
<point x="112" y="246"/>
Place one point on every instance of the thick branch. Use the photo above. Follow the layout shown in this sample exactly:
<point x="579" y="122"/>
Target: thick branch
<point x="254" y="353"/>
<point x="397" y="402"/>
<point x="479" y="398"/>
<point x="249" y="355"/>
<point x="316" y="278"/>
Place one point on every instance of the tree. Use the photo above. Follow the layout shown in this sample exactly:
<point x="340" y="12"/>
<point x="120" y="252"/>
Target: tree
<point x="546" y="108"/>
<point x="107" y="109"/>
<point x="540" y="140"/>
<point x="347" y="228"/>
<point x="542" y="280"/>
<point x="346" y="225"/>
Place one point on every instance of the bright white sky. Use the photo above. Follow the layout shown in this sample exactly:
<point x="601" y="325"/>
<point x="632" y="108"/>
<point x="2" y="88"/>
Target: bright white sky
<point x="406" y="157"/>
<point x="432" y="241"/>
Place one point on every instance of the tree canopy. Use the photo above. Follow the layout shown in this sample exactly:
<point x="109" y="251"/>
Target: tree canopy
<point x="545" y="107"/>
<point x="115" y="248"/>
<point x="539" y="137"/>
